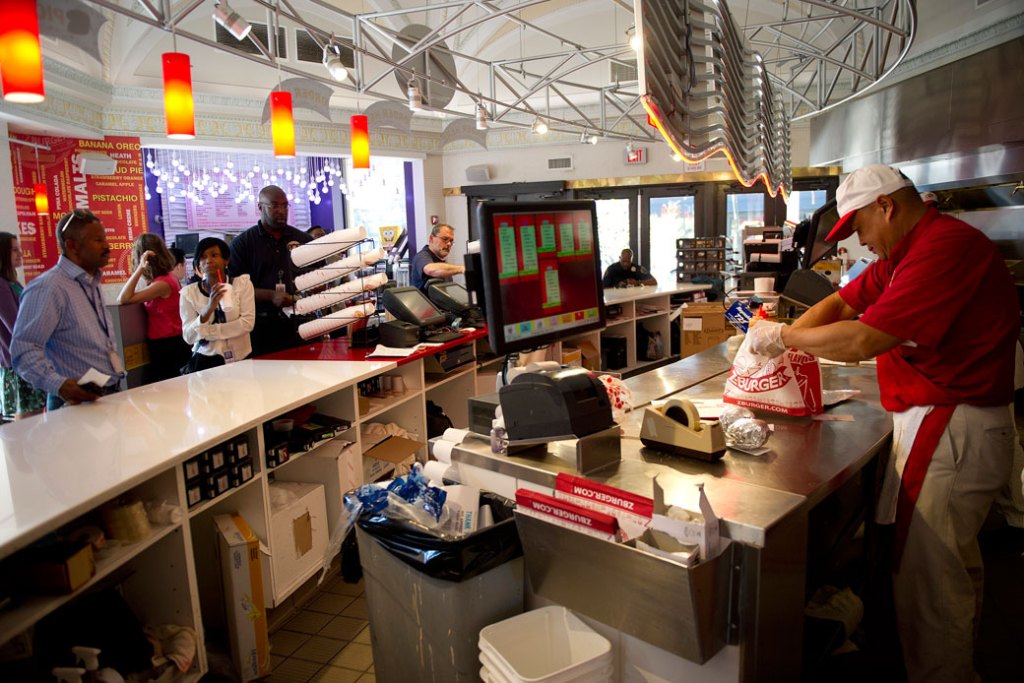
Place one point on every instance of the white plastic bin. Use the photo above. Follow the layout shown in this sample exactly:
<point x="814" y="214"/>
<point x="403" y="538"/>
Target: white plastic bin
<point x="549" y="645"/>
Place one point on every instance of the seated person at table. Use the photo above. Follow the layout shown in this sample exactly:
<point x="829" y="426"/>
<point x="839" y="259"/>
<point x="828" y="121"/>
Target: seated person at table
<point x="217" y="313"/>
<point x="625" y="273"/>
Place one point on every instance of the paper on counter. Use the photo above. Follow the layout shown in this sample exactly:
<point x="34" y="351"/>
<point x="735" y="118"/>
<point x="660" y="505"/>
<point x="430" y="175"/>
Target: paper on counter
<point x="95" y="376"/>
<point x="393" y="351"/>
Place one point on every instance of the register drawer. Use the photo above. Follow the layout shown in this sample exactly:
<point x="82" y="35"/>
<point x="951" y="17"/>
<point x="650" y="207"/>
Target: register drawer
<point x="682" y="610"/>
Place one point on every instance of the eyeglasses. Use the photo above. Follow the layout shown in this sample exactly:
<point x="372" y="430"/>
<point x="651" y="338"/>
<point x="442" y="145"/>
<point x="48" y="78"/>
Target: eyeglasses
<point x="83" y="215"/>
<point x="446" y="240"/>
<point x="275" y="205"/>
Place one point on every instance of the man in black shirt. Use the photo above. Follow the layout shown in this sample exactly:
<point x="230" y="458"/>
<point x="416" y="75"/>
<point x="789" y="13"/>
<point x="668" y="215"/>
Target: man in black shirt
<point x="429" y="261"/>
<point x="261" y="252"/>
<point x="625" y="273"/>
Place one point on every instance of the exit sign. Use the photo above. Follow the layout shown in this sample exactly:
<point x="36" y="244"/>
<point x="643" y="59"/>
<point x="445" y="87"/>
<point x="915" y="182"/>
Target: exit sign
<point x="636" y="157"/>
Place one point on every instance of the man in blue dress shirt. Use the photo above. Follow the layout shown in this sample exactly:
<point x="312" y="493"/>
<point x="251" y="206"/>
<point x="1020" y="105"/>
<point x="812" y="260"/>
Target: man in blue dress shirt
<point x="63" y="329"/>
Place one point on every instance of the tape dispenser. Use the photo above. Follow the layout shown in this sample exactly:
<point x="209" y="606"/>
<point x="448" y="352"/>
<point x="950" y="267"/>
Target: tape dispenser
<point x="676" y="427"/>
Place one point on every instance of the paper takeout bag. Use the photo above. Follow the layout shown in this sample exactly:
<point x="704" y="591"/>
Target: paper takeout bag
<point x="789" y="384"/>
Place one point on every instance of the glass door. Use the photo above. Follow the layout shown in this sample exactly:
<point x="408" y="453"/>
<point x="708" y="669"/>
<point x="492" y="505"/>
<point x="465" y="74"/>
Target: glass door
<point x="669" y="214"/>
<point x="616" y="222"/>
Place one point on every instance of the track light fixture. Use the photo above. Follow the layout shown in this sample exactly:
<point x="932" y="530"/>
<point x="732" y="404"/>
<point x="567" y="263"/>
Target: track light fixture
<point x="481" y="116"/>
<point x="332" y="62"/>
<point x="629" y="147"/>
<point x="540" y="127"/>
<point x="414" y="94"/>
<point x="231" y="21"/>
<point x="586" y="139"/>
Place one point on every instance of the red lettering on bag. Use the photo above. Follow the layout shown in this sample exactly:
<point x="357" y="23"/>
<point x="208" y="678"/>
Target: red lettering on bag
<point x="755" y="385"/>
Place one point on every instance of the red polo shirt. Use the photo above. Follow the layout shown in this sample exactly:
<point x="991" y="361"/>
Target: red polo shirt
<point x="945" y="288"/>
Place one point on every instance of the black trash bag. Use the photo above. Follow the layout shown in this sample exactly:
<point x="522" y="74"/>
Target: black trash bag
<point x="454" y="561"/>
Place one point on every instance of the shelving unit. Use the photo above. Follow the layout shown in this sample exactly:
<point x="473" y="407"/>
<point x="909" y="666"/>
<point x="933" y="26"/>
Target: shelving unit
<point x="700" y="257"/>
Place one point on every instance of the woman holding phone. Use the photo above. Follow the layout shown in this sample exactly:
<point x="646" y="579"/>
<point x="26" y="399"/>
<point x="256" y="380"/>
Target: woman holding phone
<point x="217" y="312"/>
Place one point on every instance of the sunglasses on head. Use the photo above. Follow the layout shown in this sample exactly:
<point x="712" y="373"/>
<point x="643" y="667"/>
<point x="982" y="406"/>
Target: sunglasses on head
<point x="82" y="215"/>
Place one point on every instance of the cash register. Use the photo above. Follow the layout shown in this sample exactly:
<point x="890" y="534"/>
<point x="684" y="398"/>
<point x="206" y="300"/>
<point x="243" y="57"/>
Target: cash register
<point x="422" y="320"/>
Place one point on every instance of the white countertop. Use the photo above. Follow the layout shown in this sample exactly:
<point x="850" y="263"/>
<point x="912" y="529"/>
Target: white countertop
<point x="57" y="466"/>
<point x="625" y="294"/>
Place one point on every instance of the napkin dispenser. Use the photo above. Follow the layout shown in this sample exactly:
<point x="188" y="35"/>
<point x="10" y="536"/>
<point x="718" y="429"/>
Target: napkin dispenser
<point x="554" y="404"/>
<point x="675" y="427"/>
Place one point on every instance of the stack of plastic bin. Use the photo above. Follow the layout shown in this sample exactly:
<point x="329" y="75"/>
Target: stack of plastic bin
<point x="549" y="645"/>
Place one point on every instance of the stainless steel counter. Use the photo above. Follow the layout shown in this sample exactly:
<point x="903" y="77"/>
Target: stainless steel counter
<point x="678" y="376"/>
<point x="767" y="504"/>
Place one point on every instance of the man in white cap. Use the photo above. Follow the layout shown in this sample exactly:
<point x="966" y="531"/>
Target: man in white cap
<point x="939" y="311"/>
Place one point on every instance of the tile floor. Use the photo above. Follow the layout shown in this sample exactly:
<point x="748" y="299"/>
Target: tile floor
<point x="326" y="641"/>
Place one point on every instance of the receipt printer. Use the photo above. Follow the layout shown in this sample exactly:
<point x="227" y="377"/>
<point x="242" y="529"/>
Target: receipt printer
<point x="675" y="427"/>
<point x="554" y="404"/>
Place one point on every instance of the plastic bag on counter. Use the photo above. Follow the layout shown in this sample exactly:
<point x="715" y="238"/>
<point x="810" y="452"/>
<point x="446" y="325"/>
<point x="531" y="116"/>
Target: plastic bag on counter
<point x="789" y="384"/>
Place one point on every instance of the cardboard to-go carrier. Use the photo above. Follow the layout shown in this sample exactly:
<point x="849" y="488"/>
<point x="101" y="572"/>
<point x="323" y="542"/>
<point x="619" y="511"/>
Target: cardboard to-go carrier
<point x="239" y="550"/>
<point x="298" y="539"/>
<point x="703" y="326"/>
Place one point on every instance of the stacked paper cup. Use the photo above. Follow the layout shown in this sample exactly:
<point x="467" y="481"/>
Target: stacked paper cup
<point x="325" y="246"/>
<point x="333" y="271"/>
<point x="550" y="644"/>
<point x="339" y="294"/>
<point x="334" y="321"/>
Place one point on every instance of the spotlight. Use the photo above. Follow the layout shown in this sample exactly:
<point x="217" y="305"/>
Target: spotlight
<point x="586" y="139"/>
<point x="676" y="157"/>
<point x="414" y="94"/>
<point x="332" y="62"/>
<point x="629" y="147"/>
<point x="231" y="21"/>
<point x="481" y="116"/>
<point x="539" y="127"/>
<point x="636" y="43"/>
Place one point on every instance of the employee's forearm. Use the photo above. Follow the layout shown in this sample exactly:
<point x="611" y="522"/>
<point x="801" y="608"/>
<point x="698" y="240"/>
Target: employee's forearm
<point x="443" y="270"/>
<point x="829" y="310"/>
<point x="845" y="341"/>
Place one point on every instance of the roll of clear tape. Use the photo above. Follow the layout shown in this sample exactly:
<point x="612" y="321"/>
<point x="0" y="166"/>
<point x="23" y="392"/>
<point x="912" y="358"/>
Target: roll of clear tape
<point x="334" y="321"/>
<point x="329" y="244"/>
<point x="333" y="271"/>
<point x="340" y="293"/>
<point x="732" y="413"/>
<point x="747" y="433"/>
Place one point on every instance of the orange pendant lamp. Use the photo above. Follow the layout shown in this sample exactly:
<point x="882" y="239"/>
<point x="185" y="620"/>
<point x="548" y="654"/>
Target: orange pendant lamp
<point x="42" y="201"/>
<point x="21" y="58"/>
<point x="282" y="126"/>
<point x="179" y="109"/>
<point x="360" y="134"/>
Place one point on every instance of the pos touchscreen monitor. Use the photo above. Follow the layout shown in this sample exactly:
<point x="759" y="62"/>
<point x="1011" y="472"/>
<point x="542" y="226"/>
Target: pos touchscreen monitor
<point x="822" y="222"/>
<point x="541" y="271"/>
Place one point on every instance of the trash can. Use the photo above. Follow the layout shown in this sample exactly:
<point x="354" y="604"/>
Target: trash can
<point x="429" y="598"/>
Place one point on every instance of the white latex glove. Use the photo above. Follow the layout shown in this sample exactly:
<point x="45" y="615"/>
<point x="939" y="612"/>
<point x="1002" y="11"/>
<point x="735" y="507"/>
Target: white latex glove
<point x="766" y="339"/>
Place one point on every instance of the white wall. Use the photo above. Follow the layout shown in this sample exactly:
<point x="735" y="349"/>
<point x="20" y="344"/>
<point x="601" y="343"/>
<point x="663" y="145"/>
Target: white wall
<point x="8" y="214"/>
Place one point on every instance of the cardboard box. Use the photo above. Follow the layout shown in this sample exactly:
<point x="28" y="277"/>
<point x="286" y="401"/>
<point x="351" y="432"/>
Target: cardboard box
<point x="61" y="567"/>
<point x="703" y="326"/>
<point x="572" y="356"/>
<point x="591" y="356"/>
<point x="239" y="550"/>
<point x="298" y="539"/>
<point x="385" y="456"/>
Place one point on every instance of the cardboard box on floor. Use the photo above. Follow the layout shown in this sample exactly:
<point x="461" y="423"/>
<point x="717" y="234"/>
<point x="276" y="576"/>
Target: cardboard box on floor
<point x="703" y="326"/>
<point x="239" y="550"/>
<point x="298" y="539"/>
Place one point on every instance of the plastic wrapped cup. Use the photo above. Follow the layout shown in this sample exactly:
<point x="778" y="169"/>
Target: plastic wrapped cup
<point x="227" y="303"/>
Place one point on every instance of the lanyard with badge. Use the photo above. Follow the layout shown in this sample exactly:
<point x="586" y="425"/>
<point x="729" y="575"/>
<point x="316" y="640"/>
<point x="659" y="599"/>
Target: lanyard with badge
<point x="101" y="318"/>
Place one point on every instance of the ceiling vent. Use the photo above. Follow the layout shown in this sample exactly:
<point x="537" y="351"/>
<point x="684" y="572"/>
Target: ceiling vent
<point x="560" y="164"/>
<point x="259" y="30"/>
<point x="623" y="71"/>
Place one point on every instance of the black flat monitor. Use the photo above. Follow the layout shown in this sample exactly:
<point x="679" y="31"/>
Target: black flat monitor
<point x="541" y="271"/>
<point x="815" y="246"/>
<point x="449" y="296"/>
<point x="412" y="306"/>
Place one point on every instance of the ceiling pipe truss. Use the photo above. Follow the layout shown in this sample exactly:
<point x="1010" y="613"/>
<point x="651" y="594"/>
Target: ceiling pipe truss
<point x="816" y="54"/>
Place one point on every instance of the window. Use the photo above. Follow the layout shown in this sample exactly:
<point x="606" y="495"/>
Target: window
<point x="742" y="210"/>
<point x="613" y="219"/>
<point x="802" y="203"/>
<point x="376" y="198"/>
<point x="671" y="217"/>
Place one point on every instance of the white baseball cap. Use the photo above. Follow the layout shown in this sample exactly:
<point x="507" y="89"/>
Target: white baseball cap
<point x="860" y="188"/>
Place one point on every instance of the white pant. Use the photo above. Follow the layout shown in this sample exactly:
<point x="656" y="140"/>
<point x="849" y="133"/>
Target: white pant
<point x="938" y="589"/>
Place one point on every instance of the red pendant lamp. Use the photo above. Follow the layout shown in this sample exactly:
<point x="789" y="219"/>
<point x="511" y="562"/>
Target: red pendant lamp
<point x="21" y="58"/>
<point x="179" y="109"/>
<point x="282" y="126"/>
<point x="360" y="134"/>
<point x="42" y="201"/>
